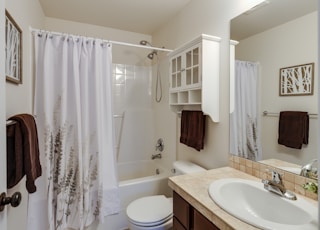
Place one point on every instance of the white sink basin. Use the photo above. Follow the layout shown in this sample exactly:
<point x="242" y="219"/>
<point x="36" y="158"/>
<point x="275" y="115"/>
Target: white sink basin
<point x="250" y="202"/>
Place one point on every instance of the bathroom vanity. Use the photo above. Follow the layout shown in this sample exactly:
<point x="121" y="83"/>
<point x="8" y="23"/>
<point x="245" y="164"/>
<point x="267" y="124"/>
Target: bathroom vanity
<point x="186" y="217"/>
<point x="194" y="209"/>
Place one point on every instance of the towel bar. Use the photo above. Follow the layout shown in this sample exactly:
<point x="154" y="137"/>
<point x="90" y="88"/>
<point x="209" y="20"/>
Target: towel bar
<point x="10" y="122"/>
<point x="266" y="113"/>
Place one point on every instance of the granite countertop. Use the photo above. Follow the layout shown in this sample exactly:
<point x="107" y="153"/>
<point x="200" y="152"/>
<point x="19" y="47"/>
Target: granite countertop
<point x="194" y="189"/>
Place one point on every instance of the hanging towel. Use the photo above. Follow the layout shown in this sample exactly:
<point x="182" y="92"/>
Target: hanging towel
<point x="14" y="155"/>
<point x="293" y="129"/>
<point x="193" y="129"/>
<point x="23" y="152"/>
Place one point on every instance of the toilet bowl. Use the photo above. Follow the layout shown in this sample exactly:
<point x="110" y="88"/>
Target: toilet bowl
<point x="155" y="212"/>
<point x="150" y="212"/>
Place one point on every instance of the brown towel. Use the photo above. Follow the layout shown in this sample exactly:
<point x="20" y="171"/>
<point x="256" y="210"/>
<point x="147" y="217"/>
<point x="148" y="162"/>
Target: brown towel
<point x="293" y="129"/>
<point x="23" y="152"/>
<point x="193" y="129"/>
<point x="15" y="170"/>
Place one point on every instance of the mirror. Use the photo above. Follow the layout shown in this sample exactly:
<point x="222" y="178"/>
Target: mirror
<point x="274" y="35"/>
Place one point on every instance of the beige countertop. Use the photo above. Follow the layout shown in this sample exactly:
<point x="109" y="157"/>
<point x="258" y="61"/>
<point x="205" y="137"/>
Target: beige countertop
<point x="194" y="189"/>
<point x="279" y="163"/>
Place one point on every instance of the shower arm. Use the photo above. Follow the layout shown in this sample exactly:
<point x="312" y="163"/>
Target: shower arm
<point x="148" y="45"/>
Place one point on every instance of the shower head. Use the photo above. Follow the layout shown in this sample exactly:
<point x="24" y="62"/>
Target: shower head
<point x="151" y="55"/>
<point x="144" y="43"/>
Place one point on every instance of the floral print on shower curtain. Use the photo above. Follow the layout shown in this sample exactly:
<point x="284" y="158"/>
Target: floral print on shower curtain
<point x="73" y="108"/>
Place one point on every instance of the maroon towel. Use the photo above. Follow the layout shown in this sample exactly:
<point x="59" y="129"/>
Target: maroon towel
<point x="293" y="129"/>
<point x="193" y="129"/>
<point x="23" y="152"/>
<point x="15" y="170"/>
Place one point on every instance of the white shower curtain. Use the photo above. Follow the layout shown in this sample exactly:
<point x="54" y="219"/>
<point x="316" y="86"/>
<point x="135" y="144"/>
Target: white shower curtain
<point x="244" y="120"/>
<point x="73" y="109"/>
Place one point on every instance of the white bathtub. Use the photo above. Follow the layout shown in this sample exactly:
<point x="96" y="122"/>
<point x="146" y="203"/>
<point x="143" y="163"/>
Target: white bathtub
<point x="137" y="179"/>
<point x="129" y="172"/>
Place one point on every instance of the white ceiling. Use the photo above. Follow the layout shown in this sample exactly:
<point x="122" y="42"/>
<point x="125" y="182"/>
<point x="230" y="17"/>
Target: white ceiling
<point x="146" y="16"/>
<point x="141" y="16"/>
<point x="275" y="13"/>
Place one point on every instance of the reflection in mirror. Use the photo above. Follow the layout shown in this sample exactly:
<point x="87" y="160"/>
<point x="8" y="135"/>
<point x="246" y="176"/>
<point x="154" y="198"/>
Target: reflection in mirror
<point x="276" y="35"/>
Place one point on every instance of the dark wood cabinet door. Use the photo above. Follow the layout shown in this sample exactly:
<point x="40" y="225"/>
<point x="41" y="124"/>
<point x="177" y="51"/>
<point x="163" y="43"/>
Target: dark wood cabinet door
<point x="202" y="223"/>
<point x="177" y="225"/>
<point x="181" y="210"/>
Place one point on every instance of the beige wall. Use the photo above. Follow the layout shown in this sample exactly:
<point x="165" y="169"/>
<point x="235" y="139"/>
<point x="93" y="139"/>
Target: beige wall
<point x="200" y="16"/>
<point x="3" y="163"/>
<point x="120" y="54"/>
<point x="290" y="44"/>
<point x="26" y="13"/>
<point x="208" y="17"/>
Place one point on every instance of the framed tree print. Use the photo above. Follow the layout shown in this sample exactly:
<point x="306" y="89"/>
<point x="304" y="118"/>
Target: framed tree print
<point x="297" y="80"/>
<point x="13" y="61"/>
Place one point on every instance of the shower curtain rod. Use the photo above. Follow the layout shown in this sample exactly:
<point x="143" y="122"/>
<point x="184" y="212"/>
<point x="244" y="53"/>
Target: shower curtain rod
<point x="108" y="41"/>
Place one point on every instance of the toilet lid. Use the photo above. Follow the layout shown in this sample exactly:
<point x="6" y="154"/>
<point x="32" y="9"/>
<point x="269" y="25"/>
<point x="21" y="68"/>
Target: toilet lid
<point x="150" y="210"/>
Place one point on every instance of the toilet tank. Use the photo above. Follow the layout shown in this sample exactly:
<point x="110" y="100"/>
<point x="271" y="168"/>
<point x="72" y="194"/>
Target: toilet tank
<point x="185" y="167"/>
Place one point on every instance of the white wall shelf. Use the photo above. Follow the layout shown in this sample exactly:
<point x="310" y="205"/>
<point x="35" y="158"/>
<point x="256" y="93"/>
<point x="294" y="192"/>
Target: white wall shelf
<point x="194" y="76"/>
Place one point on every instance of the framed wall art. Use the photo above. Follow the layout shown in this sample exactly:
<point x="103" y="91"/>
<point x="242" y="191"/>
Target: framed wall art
<point x="13" y="62"/>
<point x="297" y="80"/>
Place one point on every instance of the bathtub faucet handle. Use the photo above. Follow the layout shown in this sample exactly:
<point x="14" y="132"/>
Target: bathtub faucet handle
<point x="160" y="145"/>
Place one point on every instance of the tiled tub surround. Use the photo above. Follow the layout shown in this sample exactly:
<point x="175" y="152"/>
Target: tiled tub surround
<point x="291" y="181"/>
<point x="133" y="111"/>
<point x="194" y="189"/>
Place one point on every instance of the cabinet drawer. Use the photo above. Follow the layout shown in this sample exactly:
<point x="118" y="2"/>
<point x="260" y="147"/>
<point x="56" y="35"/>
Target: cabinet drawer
<point x="200" y="222"/>
<point x="181" y="210"/>
<point x="177" y="225"/>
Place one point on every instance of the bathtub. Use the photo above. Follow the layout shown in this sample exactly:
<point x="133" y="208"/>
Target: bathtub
<point x="129" y="172"/>
<point x="137" y="179"/>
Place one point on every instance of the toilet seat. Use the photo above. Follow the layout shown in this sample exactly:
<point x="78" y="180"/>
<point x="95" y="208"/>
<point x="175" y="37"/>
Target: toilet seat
<point x="151" y="224"/>
<point x="150" y="211"/>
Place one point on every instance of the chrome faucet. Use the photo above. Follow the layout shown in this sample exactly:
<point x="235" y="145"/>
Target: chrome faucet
<point x="308" y="171"/>
<point x="276" y="186"/>
<point x="154" y="156"/>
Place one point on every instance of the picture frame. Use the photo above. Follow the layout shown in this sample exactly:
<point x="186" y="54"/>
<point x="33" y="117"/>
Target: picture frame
<point x="13" y="47"/>
<point x="296" y="80"/>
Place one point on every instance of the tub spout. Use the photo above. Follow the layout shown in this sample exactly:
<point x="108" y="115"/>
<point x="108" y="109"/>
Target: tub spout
<point x="155" y="156"/>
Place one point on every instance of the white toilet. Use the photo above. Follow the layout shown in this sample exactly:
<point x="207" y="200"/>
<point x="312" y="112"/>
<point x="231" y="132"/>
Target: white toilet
<point x="155" y="212"/>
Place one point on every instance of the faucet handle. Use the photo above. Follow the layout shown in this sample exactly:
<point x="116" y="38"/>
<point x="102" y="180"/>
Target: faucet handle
<point x="276" y="176"/>
<point x="160" y="145"/>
